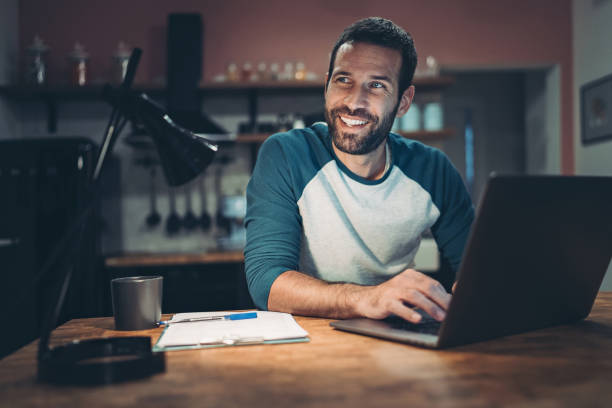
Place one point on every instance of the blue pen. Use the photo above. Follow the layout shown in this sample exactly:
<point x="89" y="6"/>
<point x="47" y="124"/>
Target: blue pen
<point x="233" y="316"/>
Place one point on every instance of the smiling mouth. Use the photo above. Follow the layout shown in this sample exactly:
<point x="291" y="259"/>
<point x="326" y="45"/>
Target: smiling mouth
<point x="353" y="122"/>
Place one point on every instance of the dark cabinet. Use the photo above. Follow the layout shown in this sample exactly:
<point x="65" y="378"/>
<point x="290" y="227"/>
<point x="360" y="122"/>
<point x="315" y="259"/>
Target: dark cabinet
<point x="44" y="183"/>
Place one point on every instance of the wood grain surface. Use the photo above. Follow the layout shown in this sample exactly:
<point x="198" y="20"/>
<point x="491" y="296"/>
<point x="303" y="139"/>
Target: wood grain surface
<point x="155" y="259"/>
<point x="562" y="366"/>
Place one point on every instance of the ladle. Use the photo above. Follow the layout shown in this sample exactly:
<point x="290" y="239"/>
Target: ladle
<point x="153" y="219"/>
<point x="189" y="220"/>
<point x="205" y="219"/>
<point x="173" y="222"/>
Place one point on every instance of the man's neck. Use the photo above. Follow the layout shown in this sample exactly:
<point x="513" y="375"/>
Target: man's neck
<point x="370" y="166"/>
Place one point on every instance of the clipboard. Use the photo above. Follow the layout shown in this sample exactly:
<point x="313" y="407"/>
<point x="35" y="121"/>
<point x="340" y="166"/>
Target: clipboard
<point x="266" y="328"/>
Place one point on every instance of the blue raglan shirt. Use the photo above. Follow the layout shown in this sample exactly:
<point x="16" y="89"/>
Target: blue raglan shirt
<point x="308" y="212"/>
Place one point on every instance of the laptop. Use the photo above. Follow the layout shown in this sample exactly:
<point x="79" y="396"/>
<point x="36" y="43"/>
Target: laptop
<point x="535" y="257"/>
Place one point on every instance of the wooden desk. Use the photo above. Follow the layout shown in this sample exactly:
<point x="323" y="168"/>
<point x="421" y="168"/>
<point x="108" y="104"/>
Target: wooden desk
<point x="563" y="366"/>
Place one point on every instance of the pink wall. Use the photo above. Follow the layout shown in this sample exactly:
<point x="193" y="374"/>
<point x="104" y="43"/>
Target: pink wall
<point x="470" y="33"/>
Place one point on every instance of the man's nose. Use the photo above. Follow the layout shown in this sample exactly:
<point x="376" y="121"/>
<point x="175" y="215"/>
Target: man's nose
<point x="356" y="98"/>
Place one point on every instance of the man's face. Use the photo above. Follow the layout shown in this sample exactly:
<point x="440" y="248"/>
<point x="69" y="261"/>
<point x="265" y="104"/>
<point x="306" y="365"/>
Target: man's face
<point x="361" y="98"/>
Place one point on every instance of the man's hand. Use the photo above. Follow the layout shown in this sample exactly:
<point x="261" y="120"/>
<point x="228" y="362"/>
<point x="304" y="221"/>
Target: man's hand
<point x="401" y="294"/>
<point x="297" y="293"/>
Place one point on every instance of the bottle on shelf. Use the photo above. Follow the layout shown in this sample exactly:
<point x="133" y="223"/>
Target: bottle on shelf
<point x="411" y="121"/>
<point x="274" y="71"/>
<point x="247" y="72"/>
<point x="78" y="58"/>
<point x="288" y="72"/>
<point x="300" y="71"/>
<point x="433" y="117"/>
<point x="120" y="62"/>
<point x="36" y="72"/>
<point x="232" y="72"/>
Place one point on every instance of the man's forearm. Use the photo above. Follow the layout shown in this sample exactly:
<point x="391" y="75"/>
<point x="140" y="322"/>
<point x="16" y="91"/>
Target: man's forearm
<point x="297" y="293"/>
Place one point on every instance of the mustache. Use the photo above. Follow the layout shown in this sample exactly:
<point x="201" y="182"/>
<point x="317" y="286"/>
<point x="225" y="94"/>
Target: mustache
<point x="360" y="113"/>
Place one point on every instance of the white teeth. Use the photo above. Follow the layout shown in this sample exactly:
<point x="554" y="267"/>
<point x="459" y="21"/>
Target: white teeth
<point x="353" y="122"/>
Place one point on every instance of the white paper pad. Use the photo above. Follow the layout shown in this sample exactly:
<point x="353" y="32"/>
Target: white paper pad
<point x="267" y="326"/>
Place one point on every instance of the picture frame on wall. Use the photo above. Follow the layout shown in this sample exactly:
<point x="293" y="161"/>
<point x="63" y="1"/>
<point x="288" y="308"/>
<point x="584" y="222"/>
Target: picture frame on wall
<point x="596" y="110"/>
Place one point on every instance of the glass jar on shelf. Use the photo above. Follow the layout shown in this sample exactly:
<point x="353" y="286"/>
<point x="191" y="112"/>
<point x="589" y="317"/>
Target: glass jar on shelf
<point x="433" y="116"/>
<point x="274" y="71"/>
<point x="298" y="121"/>
<point x="300" y="71"/>
<point x="36" y="71"/>
<point x="121" y="59"/>
<point x="233" y="74"/>
<point x="79" y="58"/>
<point x="262" y="71"/>
<point x="411" y="121"/>
<point x="247" y="72"/>
<point x="288" y="72"/>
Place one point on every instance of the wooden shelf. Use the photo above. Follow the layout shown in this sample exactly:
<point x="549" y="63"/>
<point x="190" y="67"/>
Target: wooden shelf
<point x="68" y="92"/>
<point x="433" y="83"/>
<point x="421" y="83"/>
<point x="252" y="137"/>
<point x="153" y="259"/>
<point x="283" y="86"/>
<point x="65" y="92"/>
<point x="51" y="95"/>
<point x="429" y="136"/>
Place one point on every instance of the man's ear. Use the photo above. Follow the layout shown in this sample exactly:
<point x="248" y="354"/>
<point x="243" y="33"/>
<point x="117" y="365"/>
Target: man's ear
<point x="405" y="101"/>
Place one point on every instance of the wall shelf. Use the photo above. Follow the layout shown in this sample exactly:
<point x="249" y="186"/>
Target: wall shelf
<point x="52" y="95"/>
<point x="423" y="84"/>
<point x="429" y="135"/>
<point x="252" y="137"/>
<point x="93" y="92"/>
<point x="157" y="259"/>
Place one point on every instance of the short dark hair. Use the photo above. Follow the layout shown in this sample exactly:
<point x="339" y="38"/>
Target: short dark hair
<point x="382" y="32"/>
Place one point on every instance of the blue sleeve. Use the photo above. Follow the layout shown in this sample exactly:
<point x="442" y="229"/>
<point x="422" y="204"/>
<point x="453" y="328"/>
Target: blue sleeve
<point x="273" y="223"/>
<point x="452" y="228"/>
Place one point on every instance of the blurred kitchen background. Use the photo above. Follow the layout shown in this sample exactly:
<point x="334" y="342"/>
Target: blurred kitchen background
<point x="498" y="89"/>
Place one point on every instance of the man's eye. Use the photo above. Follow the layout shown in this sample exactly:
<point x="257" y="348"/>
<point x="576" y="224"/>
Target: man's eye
<point x="378" y="85"/>
<point x="343" y="80"/>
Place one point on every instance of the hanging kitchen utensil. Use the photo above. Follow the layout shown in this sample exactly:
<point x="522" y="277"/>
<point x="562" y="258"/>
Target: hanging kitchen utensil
<point x="205" y="219"/>
<point x="173" y="222"/>
<point x="153" y="219"/>
<point x="189" y="220"/>
<point x="223" y="224"/>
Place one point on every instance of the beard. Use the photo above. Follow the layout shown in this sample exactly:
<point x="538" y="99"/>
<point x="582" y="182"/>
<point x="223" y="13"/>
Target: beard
<point x="352" y="143"/>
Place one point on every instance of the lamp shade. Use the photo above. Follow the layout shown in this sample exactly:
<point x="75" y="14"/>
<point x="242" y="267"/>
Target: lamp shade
<point x="183" y="154"/>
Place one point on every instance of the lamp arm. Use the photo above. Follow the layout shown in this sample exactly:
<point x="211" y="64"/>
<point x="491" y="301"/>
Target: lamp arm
<point x="113" y="130"/>
<point x="116" y="121"/>
<point x="72" y="237"/>
<point x="70" y="240"/>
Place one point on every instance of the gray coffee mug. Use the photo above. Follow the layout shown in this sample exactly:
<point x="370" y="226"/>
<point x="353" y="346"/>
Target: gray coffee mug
<point x="137" y="302"/>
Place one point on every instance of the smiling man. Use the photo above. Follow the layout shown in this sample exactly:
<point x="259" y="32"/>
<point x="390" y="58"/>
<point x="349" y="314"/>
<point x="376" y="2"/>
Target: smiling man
<point x="335" y="212"/>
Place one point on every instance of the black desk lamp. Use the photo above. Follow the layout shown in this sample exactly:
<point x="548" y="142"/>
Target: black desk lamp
<point x="183" y="156"/>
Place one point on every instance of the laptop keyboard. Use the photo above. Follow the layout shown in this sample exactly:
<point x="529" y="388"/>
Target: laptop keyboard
<point x="428" y="325"/>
